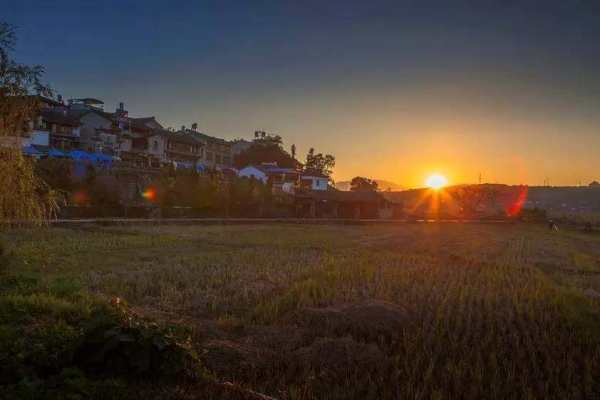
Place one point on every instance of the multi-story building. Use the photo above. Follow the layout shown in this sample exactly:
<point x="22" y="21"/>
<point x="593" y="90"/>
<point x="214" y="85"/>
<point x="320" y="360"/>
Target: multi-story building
<point x="51" y="120"/>
<point x="215" y="152"/>
<point x="62" y="129"/>
<point x="84" y="124"/>
<point x="184" y="149"/>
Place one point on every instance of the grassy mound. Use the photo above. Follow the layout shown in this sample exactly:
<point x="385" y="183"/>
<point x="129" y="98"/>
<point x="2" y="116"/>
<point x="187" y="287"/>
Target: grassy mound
<point x="58" y="342"/>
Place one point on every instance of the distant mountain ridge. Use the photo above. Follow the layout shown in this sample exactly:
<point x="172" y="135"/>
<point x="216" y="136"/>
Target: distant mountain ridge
<point x="381" y="185"/>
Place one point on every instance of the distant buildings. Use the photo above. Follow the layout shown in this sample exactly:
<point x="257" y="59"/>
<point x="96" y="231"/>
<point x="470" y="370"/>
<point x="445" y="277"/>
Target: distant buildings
<point x="83" y="125"/>
<point x="84" y="131"/>
<point x="269" y="171"/>
<point x="313" y="180"/>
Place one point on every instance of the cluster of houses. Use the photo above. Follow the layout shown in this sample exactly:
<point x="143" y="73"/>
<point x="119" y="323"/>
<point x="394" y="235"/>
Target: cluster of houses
<point x="82" y="129"/>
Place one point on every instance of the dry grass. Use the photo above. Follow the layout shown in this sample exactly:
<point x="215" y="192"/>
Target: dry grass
<point x="405" y="311"/>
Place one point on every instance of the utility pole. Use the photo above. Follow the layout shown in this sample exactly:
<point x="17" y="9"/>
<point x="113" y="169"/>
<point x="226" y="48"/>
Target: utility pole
<point x="480" y="178"/>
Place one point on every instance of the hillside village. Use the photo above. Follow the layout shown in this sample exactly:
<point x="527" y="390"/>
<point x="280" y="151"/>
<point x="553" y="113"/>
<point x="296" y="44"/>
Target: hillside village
<point x="127" y="158"/>
<point x="128" y="155"/>
<point x="83" y="129"/>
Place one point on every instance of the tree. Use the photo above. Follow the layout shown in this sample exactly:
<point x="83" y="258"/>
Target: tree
<point x="293" y="151"/>
<point x="361" y="184"/>
<point x="56" y="172"/>
<point x="319" y="163"/>
<point x="24" y="196"/>
<point x="472" y="199"/>
<point x="265" y="149"/>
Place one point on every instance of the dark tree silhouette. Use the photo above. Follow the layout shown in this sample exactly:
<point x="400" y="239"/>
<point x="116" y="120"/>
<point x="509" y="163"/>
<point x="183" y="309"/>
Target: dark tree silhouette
<point x="319" y="163"/>
<point x="23" y="196"/>
<point x="265" y="148"/>
<point x="361" y="184"/>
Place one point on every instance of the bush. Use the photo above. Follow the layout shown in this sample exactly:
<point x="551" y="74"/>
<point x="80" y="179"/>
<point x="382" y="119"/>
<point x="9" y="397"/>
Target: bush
<point x="118" y="344"/>
<point x="51" y="348"/>
<point x="533" y="215"/>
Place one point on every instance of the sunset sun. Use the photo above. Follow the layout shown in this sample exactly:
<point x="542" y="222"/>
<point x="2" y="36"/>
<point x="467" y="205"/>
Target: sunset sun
<point x="436" y="181"/>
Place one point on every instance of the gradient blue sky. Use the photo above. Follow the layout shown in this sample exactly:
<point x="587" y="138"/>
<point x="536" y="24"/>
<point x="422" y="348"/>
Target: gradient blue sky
<point x="395" y="89"/>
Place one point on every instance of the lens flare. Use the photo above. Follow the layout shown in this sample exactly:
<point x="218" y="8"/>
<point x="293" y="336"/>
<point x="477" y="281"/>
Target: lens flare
<point x="80" y="197"/>
<point x="517" y="204"/>
<point x="149" y="194"/>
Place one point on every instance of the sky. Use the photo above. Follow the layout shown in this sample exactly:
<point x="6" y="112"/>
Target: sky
<point x="396" y="90"/>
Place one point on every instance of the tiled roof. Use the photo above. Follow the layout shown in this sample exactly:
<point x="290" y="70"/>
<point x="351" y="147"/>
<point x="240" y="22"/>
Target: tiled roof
<point x="274" y="169"/>
<point x="141" y="123"/>
<point x="203" y="136"/>
<point x="316" y="174"/>
<point x="184" y="138"/>
<point x="59" y="117"/>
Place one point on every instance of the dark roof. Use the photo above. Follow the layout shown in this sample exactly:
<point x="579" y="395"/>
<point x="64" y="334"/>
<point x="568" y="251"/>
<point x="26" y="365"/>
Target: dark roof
<point x="89" y="100"/>
<point x="59" y="117"/>
<point x="143" y="121"/>
<point x="81" y="112"/>
<point x="317" y="174"/>
<point x="184" y="138"/>
<point x="342" y="196"/>
<point x="274" y="169"/>
<point x="110" y="130"/>
<point x="48" y="100"/>
<point x="160" y="132"/>
<point x="203" y="136"/>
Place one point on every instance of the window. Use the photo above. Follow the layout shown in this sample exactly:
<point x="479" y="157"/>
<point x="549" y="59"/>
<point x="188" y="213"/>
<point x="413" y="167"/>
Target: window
<point x="155" y="145"/>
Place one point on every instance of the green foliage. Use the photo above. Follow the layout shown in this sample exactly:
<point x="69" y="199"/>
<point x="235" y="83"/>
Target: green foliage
<point x="461" y="310"/>
<point x="56" y="342"/>
<point x="470" y="198"/>
<point x="56" y="172"/>
<point x="211" y="194"/>
<point x="533" y="215"/>
<point x="121" y="345"/>
<point x="24" y="197"/>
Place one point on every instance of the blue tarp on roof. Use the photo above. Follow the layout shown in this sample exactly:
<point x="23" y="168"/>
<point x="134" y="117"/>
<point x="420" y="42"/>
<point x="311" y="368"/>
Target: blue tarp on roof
<point x="31" y="151"/>
<point x="81" y="155"/>
<point x="102" y="157"/>
<point x="56" y="153"/>
<point x="182" y="164"/>
<point x="96" y="159"/>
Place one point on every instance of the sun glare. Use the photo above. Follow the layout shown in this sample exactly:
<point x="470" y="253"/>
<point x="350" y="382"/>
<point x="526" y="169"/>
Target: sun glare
<point x="436" y="181"/>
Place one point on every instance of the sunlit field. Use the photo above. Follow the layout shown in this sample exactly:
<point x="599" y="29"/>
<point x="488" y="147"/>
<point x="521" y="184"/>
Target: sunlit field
<point x="303" y="311"/>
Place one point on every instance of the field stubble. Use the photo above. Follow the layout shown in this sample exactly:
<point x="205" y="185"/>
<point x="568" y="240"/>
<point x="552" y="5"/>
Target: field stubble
<point x="412" y="311"/>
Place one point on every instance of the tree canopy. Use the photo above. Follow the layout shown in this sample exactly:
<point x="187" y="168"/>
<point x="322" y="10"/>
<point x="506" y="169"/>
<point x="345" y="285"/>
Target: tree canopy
<point x="319" y="163"/>
<point x="362" y="184"/>
<point x="265" y="148"/>
<point x="24" y="196"/>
